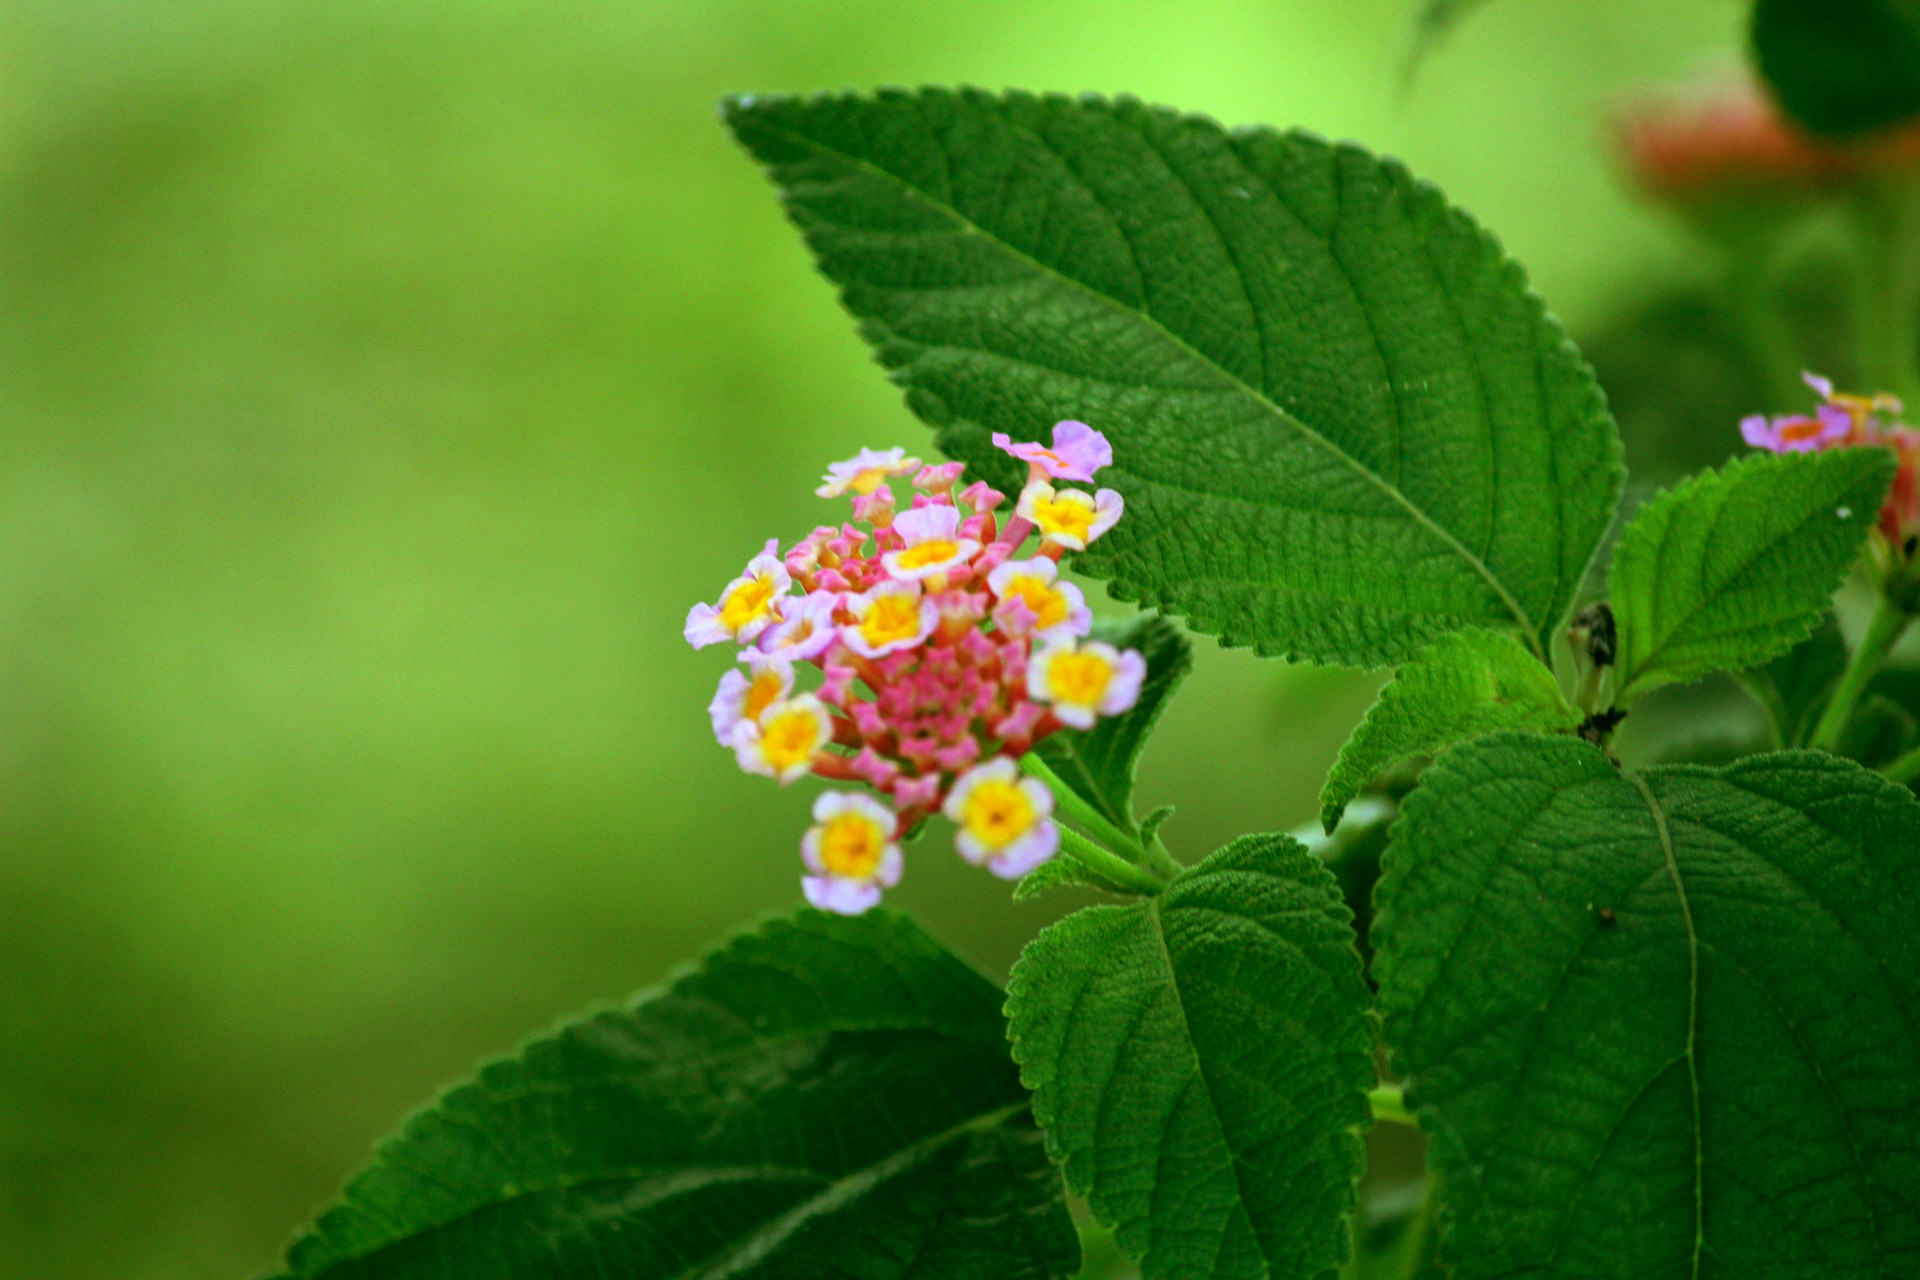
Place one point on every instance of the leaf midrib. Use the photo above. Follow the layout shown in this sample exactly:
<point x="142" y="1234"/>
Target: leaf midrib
<point x="1156" y="908"/>
<point x="1393" y="492"/>
<point x="1659" y="813"/>
<point x="765" y="1237"/>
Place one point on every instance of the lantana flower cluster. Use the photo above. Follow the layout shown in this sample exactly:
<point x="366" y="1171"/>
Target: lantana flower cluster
<point x="944" y="654"/>
<point x="1846" y="421"/>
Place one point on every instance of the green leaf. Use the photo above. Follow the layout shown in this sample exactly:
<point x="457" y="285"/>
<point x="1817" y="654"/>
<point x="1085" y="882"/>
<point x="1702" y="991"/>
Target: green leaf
<point x="1841" y="66"/>
<point x="822" y="1096"/>
<point x="1099" y="763"/>
<point x="1458" y="687"/>
<point x="1341" y="423"/>
<point x="1200" y="1063"/>
<point x="1793" y="688"/>
<point x="1733" y="567"/>
<point x="1660" y="1025"/>
<point x="1879" y="730"/>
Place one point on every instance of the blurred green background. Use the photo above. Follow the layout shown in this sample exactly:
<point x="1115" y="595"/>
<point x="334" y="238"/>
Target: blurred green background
<point x="378" y="386"/>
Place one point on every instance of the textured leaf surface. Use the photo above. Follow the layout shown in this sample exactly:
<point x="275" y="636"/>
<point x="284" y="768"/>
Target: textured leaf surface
<point x="1099" y="763"/>
<point x="1458" y="687"/>
<point x="822" y="1097"/>
<point x="1660" y="1026"/>
<point x="1200" y="1062"/>
<point x="1341" y="423"/>
<point x="1841" y="66"/>
<point x="1733" y="567"/>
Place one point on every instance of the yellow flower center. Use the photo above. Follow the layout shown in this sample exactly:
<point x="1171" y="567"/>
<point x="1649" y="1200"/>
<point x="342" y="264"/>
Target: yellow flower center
<point x="790" y="738"/>
<point x="761" y="694"/>
<point x="802" y="632"/>
<point x="746" y="603"/>
<point x="1079" y="679"/>
<point x="891" y="618"/>
<point x="851" y="845"/>
<point x="1069" y="511"/>
<point x="865" y="482"/>
<point x="1048" y="602"/>
<point x="927" y="553"/>
<point x="998" y="813"/>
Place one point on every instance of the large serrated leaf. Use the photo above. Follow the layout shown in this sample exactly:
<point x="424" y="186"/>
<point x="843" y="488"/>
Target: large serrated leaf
<point x="821" y="1097"/>
<point x="1660" y="1025"/>
<point x="1341" y="423"/>
<point x="1841" y="66"/>
<point x="1200" y="1063"/>
<point x="1733" y="567"/>
<point x="1099" y="763"/>
<point x="1462" y="685"/>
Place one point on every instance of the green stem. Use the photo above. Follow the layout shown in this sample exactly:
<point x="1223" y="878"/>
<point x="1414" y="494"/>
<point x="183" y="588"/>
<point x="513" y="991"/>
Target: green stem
<point x="1163" y="861"/>
<point x="1904" y="768"/>
<point x="1389" y="1104"/>
<point x="1074" y="806"/>
<point x="1410" y="1259"/>
<point x="1107" y="864"/>
<point x="1883" y="632"/>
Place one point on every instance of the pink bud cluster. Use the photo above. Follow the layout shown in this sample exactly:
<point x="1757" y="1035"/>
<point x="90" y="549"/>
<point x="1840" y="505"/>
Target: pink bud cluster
<point x="944" y="655"/>
<point x="1846" y="421"/>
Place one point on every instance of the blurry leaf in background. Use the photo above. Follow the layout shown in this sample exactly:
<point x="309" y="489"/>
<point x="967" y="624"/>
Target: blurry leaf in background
<point x="1841" y="66"/>
<point x="1793" y="688"/>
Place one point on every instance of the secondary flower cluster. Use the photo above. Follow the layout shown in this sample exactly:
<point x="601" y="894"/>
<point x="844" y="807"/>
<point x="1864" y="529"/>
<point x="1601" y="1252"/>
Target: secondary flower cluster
<point x="944" y="656"/>
<point x="1844" y="421"/>
<point x="1724" y="136"/>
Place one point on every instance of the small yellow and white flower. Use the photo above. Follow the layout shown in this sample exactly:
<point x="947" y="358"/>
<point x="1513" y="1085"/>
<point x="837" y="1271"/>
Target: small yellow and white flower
<point x="1085" y="681"/>
<point x="806" y="628"/>
<point x="749" y="605"/>
<point x="933" y="544"/>
<point x="782" y="742"/>
<point x="866" y="471"/>
<point x="744" y="695"/>
<point x="1069" y="517"/>
<point x="851" y="852"/>
<point x="890" y="617"/>
<point x="1005" y="820"/>
<point x="1059" y="610"/>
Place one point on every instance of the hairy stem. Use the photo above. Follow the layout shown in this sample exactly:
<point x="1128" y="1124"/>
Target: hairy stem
<point x="1162" y="860"/>
<point x="1108" y="865"/>
<point x="1889" y="622"/>
<point x="1069" y="802"/>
